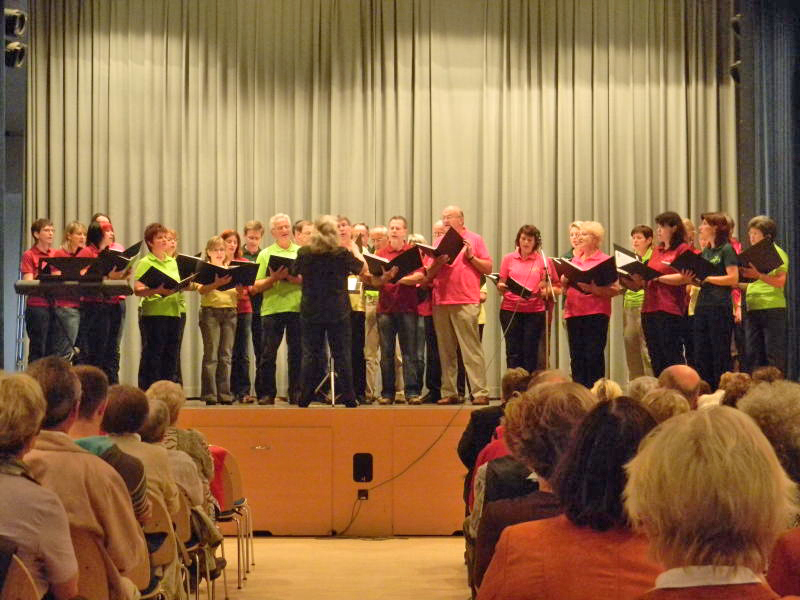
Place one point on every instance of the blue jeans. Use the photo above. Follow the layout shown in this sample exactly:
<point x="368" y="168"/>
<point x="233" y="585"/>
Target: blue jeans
<point x="240" y="363"/>
<point x="404" y="326"/>
<point x="65" y="330"/>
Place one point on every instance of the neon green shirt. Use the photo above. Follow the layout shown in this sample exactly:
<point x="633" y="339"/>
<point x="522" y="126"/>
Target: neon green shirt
<point x="761" y="295"/>
<point x="158" y="305"/>
<point x="635" y="299"/>
<point x="283" y="296"/>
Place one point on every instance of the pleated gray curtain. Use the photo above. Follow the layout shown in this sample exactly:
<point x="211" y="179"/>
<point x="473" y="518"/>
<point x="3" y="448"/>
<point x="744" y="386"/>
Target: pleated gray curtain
<point x="203" y="114"/>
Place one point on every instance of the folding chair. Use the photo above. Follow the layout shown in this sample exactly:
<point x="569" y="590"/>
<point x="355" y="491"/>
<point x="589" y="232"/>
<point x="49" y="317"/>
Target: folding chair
<point x="92" y="573"/>
<point x="19" y="584"/>
<point x="235" y="508"/>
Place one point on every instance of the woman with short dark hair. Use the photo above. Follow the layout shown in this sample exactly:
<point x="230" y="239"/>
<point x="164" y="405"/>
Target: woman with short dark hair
<point x="589" y="552"/>
<point x="523" y="319"/>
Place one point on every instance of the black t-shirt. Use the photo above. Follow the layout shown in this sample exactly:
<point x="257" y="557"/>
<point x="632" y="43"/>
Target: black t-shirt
<point x="325" y="296"/>
<point x="716" y="295"/>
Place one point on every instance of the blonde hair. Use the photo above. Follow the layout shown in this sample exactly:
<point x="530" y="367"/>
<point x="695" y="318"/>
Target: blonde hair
<point x="539" y="423"/>
<point x="575" y="225"/>
<point x="708" y="489"/>
<point x="664" y="403"/>
<point x="171" y="394"/>
<point x="606" y="389"/>
<point x="639" y="386"/>
<point x="595" y="228"/>
<point x="325" y="237"/>
<point x="72" y="227"/>
<point x="22" y="409"/>
<point x="775" y="407"/>
<point x="416" y="238"/>
<point x="212" y="243"/>
<point x="155" y="425"/>
<point x="254" y="226"/>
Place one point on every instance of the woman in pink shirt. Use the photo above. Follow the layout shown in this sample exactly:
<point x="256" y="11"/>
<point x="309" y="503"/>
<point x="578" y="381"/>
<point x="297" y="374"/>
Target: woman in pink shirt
<point x="588" y="310"/>
<point x="523" y="317"/>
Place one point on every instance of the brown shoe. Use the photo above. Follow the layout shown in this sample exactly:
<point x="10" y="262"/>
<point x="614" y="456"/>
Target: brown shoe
<point x="450" y="400"/>
<point x="480" y="401"/>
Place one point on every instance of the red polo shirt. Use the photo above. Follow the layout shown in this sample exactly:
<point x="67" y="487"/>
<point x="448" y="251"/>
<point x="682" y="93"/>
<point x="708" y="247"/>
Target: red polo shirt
<point x="529" y="272"/>
<point x="579" y="304"/>
<point x="396" y="297"/>
<point x="662" y="297"/>
<point x="30" y="264"/>
<point x="460" y="283"/>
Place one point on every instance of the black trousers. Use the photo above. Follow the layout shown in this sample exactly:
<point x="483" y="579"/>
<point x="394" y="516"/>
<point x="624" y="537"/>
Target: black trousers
<point x="687" y="339"/>
<point x="713" y="326"/>
<point x="101" y="322"/>
<point x="272" y="330"/>
<point x="313" y="342"/>
<point x="240" y="359"/>
<point x="664" y="343"/>
<point x="765" y="331"/>
<point x="587" y="337"/>
<point x="358" y="321"/>
<point x="433" y="369"/>
<point x="160" y="348"/>
<point x="522" y="332"/>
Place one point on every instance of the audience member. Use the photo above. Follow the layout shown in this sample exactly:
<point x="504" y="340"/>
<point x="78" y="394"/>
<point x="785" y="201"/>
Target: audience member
<point x="735" y="385"/>
<point x="606" y="389"/>
<point x="85" y="432"/>
<point x="766" y="374"/>
<point x="484" y="421"/>
<point x="93" y="493"/>
<point x="548" y="376"/>
<point x="709" y="492"/>
<point x="664" y="403"/>
<point x="187" y="440"/>
<point x="683" y="379"/>
<point x="181" y="465"/>
<point x="589" y="552"/>
<point x="125" y="415"/>
<point x="637" y="388"/>
<point x="539" y="425"/>
<point x="32" y="516"/>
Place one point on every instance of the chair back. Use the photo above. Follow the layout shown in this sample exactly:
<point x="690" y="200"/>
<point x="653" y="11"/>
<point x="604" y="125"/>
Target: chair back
<point x="182" y="521"/>
<point x="231" y="482"/>
<point x="19" y="584"/>
<point x="161" y="523"/>
<point x="92" y="576"/>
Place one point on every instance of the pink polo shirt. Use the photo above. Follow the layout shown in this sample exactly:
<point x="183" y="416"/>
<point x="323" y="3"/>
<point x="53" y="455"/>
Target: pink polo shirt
<point x="529" y="272"/>
<point x="460" y="283"/>
<point x="30" y="264"/>
<point x="579" y="304"/>
<point x="662" y="297"/>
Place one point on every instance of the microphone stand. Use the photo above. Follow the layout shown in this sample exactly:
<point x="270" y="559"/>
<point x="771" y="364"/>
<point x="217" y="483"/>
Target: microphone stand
<point x="548" y="314"/>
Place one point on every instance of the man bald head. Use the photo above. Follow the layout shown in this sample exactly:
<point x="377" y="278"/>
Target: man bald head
<point x="683" y="379"/>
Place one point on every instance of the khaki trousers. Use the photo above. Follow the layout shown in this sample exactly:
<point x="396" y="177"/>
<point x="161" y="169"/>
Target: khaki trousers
<point x="457" y="326"/>
<point x="635" y="346"/>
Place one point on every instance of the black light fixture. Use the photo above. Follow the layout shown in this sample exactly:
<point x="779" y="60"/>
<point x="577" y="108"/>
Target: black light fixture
<point x="16" y="21"/>
<point x="16" y="49"/>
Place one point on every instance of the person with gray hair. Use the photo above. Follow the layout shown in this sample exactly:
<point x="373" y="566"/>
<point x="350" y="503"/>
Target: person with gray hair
<point x="664" y="403"/>
<point x="325" y="308"/>
<point x="637" y="388"/>
<point x="280" y="312"/>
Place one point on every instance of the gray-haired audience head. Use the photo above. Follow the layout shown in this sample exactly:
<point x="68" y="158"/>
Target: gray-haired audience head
<point x="638" y="387"/>
<point x="156" y="423"/>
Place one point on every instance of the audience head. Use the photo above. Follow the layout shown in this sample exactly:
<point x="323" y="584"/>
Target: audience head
<point x="548" y="376"/>
<point x="325" y="237"/>
<point x="171" y="394"/>
<point x="539" y="423"/>
<point x="61" y="389"/>
<point x="514" y="380"/>
<point x="671" y="230"/>
<point x="664" y="403"/>
<point x="775" y="407"/>
<point x="94" y="391"/>
<point x="715" y="227"/>
<point x="22" y="408"/>
<point x="638" y="387"/>
<point x="735" y="386"/>
<point x="126" y="411"/>
<point x="606" y="389"/>
<point x="590" y="477"/>
<point x="707" y="489"/>
<point x="682" y="378"/>
<point x="767" y="375"/>
<point x="156" y="423"/>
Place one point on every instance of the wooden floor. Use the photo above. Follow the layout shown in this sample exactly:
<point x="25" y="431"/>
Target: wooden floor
<point x="351" y="569"/>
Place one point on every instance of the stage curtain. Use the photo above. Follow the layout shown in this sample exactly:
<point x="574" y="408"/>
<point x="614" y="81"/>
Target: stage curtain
<point x="203" y="114"/>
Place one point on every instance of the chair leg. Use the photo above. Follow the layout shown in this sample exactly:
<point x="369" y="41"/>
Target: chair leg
<point x="224" y="571"/>
<point x="239" y="553"/>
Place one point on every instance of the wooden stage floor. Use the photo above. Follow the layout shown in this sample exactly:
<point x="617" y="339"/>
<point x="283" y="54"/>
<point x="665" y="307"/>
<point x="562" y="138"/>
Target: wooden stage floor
<point x="298" y="471"/>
